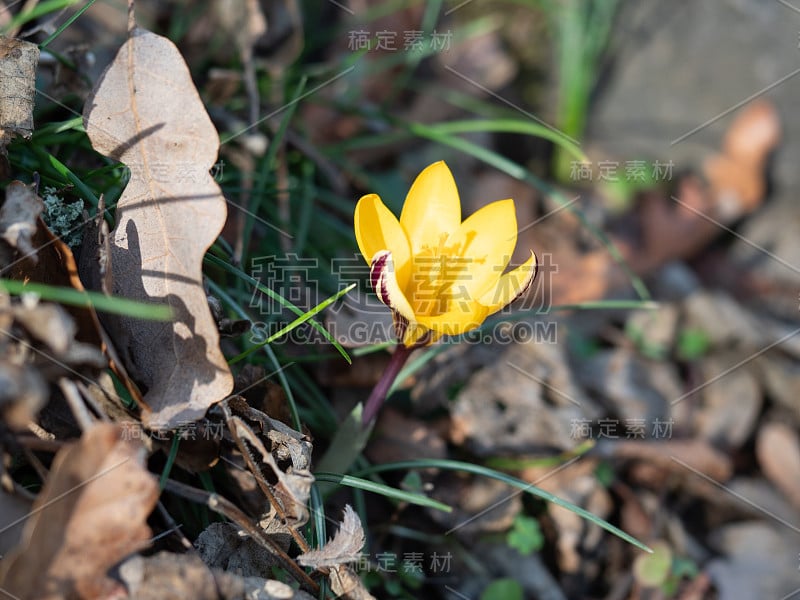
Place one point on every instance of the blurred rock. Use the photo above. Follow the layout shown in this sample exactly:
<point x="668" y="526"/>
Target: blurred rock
<point x="480" y="505"/>
<point x="781" y="379"/>
<point x="722" y="319"/>
<point x="576" y="483"/>
<point x="729" y="403"/>
<point x="223" y="546"/>
<point x="754" y="497"/>
<point x="674" y="281"/>
<point x="623" y="380"/>
<point x="778" y="453"/>
<point x="501" y="561"/>
<point x="727" y="322"/>
<point x="659" y="101"/>
<point x="769" y="252"/>
<point x="760" y="561"/>
<point x="524" y="400"/>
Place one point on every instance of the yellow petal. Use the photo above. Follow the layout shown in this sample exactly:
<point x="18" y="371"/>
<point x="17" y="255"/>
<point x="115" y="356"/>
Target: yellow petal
<point x="377" y="229"/>
<point x="432" y="209"/>
<point x="461" y="318"/>
<point x="484" y="243"/>
<point x="510" y="286"/>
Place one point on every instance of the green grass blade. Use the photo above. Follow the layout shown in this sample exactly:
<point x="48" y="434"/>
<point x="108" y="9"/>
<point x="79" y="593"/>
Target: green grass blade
<point x="68" y="175"/>
<point x="608" y="305"/>
<point x="298" y="321"/>
<point x="66" y="24"/>
<point x="510" y="126"/>
<point x="455" y="465"/>
<point x="171" y="456"/>
<point x="508" y="463"/>
<point x="110" y="304"/>
<point x="317" y="509"/>
<point x="40" y="10"/>
<point x="383" y="490"/>
<point x="505" y="125"/>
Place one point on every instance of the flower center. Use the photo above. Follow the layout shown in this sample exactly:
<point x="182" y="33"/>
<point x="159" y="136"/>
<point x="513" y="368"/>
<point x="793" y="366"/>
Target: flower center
<point x="439" y="278"/>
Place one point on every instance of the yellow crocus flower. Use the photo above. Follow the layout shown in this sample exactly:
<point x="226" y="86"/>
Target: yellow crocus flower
<point x="439" y="275"/>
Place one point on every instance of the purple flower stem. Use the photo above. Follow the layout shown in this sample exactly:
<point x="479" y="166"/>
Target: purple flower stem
<point x="378" y="394"/>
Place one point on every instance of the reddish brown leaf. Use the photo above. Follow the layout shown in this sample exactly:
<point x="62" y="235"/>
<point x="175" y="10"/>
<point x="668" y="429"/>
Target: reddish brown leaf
<point x="90" y="514"/>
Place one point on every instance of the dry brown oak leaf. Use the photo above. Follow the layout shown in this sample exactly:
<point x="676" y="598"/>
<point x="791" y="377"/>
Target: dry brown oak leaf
<point x="146" y="113"/>
<point x="91" y="513"/>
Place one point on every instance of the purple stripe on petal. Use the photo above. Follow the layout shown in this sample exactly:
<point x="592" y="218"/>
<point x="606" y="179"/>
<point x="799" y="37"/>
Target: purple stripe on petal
<point x="377" y="267"/>
<point x="383" y="292"/>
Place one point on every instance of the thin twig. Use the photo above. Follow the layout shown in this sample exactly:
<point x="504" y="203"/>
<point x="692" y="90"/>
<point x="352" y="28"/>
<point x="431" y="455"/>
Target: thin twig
<point x="173" y="527"/>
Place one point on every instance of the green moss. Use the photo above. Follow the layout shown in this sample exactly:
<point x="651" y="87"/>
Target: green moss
<point x="64" y="219"/>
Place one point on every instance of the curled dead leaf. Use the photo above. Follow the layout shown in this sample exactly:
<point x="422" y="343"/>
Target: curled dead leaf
<point x="345" y="547"/>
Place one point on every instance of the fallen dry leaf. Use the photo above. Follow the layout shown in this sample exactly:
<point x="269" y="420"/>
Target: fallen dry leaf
<point x="146" y="113"/>
<point x="345" y="547"/>
<point x="778" y="453"/>
<point x="18" y="217"/>
<point x="18" y="60"/>
<point x="736" y="175"/>
<point x="167" y="575"/>
<point x="90" y="514"/>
